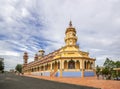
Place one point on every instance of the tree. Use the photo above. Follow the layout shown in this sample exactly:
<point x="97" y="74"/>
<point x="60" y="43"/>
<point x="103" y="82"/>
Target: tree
<point x="19" y="68"/>
<point x="1" y="66"/>
<point x="97" y="69"/>
<point x="117" y="64"/>
<point x="108" y="68"/>
<point x="109" y="63"/>
<point x="105" y="71"/>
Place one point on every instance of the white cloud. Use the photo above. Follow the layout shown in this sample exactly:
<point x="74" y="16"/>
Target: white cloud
<point x="24" y="12"/>
<point x="9" y="53"/>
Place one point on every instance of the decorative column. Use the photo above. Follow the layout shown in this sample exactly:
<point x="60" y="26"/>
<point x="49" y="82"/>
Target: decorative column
<point x="67" y="64"/>
<point x="75" y="65"/>
<point x="61" y="67"/>
<point x="82" y="68"/>
<point x="51" y="67"/>
<point x="93" y="67"/>
<point x="62" y="64"/>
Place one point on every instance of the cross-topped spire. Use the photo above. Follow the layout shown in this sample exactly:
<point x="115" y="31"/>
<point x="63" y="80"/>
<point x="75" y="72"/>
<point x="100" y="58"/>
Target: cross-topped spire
<point x="70" y="24"/>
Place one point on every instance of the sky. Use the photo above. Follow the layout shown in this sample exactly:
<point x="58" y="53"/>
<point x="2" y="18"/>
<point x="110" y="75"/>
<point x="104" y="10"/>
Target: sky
<point x="31" y="25"/>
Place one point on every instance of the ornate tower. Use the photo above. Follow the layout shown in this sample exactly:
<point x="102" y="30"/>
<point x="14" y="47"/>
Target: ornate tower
<point x="71" y="37"/>
<point x="25" y="57"/>
<point x="41" y="54"/>
<point x="36" y="57"/>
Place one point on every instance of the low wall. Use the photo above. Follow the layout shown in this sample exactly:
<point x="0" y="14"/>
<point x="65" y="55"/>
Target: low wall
<point x="65" y="73"/>
<point x="89" y="73"/>
<point x="57" y="74"/>
<point x="71" y="73"/>
<point x="46" y="73"/>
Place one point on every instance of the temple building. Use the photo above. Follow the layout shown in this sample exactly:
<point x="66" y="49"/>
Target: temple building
<point x="68" y="61"/>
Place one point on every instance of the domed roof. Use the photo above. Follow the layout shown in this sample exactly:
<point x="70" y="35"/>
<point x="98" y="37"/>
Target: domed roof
<point x="70" y="28"/>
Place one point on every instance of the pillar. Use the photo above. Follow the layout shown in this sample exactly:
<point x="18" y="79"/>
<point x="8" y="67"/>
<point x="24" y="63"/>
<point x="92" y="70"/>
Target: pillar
<point x="61" y="67"/>
<point x="62" y="64"/>
<point x="93" y="67"/>
<point x="82" y="68"/>
<point x="81" y="64"/>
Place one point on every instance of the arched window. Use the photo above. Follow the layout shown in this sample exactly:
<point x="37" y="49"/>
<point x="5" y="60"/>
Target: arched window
<point x="71" y="64"/>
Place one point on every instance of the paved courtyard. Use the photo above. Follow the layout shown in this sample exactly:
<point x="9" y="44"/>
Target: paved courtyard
<point x="12" y="81"/>
<point x="87" y="81"/>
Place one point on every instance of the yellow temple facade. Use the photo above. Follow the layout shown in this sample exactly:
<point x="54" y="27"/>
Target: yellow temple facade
<point x="68" y="61"/>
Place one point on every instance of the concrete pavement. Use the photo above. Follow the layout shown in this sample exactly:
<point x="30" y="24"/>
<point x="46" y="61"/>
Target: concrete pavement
<point x="12" y="81"/>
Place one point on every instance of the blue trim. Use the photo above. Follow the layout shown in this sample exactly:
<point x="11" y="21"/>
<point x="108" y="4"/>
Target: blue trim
<point x="67" y="73"/>
<point x="71" y="74"/>
<point x="89" y="73"/>
<point x="57" y="74"/>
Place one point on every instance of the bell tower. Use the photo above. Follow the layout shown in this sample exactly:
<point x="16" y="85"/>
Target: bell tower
<point x="25" y="57"/>
<point x="36" y="57"/>
<point x="41" y="54"/>
<point x="71" y="37"/>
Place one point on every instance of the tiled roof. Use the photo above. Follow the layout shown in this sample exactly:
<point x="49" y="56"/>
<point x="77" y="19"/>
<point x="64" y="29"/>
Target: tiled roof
<point x="45" y="58"/>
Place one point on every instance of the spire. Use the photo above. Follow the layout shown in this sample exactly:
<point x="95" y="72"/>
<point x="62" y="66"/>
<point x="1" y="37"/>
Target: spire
<point x="70" y="24"/>
<point x="70" y="33"/>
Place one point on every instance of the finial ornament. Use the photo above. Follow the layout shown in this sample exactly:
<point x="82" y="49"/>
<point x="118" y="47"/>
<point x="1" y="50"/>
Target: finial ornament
<point x="70" y="24"/>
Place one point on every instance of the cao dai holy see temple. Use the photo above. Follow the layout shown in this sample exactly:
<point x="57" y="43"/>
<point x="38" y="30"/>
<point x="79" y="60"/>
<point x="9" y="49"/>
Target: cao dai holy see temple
<point x="68" y="61"/>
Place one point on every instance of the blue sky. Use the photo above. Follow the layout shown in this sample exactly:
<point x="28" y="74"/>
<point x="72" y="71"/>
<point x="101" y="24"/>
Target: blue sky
<point x="30" y="25"/>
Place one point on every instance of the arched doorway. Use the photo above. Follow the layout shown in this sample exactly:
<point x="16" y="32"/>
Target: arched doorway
<point x="71" y="64"/>
<point x="77" y="64"/>
<point x="46" y="67"/>
<point x="58" y="65"/>
<point x="42" y="68"/>
<point x="85" y="65"/>
<point x="91" y="65"/>
<point x="88" y="65"/>
<point x="32" y="70"/>
<point x="53" y="65"/>
<point x="65" y="64"/>
<point x="49" y="65"/>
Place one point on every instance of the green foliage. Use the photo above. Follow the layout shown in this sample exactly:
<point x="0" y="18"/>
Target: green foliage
<point x="109" y="63"/>
<point x="97" y="69"/>
<point x="117" y="64"/>
<point x="105" y="71"/>
<point x="108" y="67"/>
<point x="1" y="65"/>
<point x="19" y="68"/>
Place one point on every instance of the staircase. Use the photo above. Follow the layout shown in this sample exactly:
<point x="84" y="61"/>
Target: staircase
<point x="52" y="74"/>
